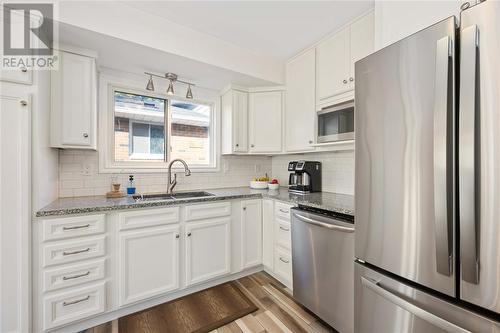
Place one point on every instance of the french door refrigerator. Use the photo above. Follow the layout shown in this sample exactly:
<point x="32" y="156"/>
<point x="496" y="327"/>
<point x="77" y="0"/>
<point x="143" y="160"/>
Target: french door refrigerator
<point x="427" y="238"/>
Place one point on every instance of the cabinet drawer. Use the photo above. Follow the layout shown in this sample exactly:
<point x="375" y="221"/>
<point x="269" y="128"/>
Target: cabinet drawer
<point x="75" y="226"/>
<point x="72" y="275"/>
<point x="148" y="218"/>
<point x="282" y="210"/>
<point x="283" y="266"/>
<point x="283" y="236"/>
<point x="205" y="211"/>
<point x="75" y="250"/>
<point x="74" y="305"/>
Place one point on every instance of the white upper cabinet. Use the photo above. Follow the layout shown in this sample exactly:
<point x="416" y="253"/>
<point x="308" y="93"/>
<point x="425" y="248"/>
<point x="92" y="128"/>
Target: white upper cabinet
<point x="300" y="102"/>
<point x="234" y="105"/>
<point x="362" y="41"/>
<point x="265" y="121"/>
<point x="74" y="102"/>
<point x="251" y="226"/>
<point x="333" y="65"/>
<point x="335" y="58"/>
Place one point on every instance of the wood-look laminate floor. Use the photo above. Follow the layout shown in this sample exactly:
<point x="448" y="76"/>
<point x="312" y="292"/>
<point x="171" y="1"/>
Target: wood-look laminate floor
<point x="277" y="311"/>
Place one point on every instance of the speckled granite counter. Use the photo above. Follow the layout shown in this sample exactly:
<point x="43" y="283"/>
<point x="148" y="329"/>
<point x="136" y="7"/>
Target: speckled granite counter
<point x="339" y="203"/>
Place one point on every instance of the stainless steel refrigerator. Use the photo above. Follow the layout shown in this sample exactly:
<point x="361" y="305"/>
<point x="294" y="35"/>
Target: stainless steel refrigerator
<point x="427" y="238"/>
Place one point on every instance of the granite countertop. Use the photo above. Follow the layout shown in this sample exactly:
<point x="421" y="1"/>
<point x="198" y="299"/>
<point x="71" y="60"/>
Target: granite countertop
<point x="338" y="203"/>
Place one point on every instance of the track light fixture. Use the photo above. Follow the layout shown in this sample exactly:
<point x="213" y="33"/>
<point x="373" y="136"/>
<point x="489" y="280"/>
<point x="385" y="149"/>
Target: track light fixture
<point x="172" y="78"/>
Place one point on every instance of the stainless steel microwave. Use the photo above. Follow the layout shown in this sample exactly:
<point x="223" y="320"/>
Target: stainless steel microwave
<point x="336" y="123"/>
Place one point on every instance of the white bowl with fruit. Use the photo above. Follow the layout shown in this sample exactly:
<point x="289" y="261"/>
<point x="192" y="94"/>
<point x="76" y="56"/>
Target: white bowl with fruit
<point x="259" y="183"/>
<point x="274" y="185"/>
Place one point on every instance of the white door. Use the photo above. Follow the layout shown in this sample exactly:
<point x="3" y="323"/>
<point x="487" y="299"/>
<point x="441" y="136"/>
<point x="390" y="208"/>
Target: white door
<point x="333" y="65"/>
<point x="207" y="249"/>
<point x="265" y="115"/>
<point x="15" y="216"/>
<point x="148" y="263"/>
<point x="300" y="102"/>
<point x="267" y="233"/>
<point x="251" y="228"/>
<point x="362" y="41"/>
<point x="73" y="88"/>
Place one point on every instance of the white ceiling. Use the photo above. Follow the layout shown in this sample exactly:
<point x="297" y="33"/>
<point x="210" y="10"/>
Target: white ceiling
<point x="277" y="29"/>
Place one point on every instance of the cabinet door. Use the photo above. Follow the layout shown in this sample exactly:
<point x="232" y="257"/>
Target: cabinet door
<point x="265" y="121"/>
<point x="333" y="65"/>
<point x="148" y="263"/>
<point x="251" y="228"/>
<point x="22" y="75"/>
<point x="15" y="216"/>
<point x="300" y="102"/>
<point x="234" y="122"/>
<point x="267" y="232"/>
<point x="362" y="41"/>
<point x="73" y="114"/>
<point x="207" y="249"/>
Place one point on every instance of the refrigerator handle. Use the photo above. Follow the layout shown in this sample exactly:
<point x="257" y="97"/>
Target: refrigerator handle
<point x="442" y="103"/>
<point x="468" y="156"/>
<point x="412" y="308"/>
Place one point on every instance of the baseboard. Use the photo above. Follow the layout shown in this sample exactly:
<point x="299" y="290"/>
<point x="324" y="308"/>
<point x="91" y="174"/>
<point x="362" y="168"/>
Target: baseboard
<point x="112" y="315"/>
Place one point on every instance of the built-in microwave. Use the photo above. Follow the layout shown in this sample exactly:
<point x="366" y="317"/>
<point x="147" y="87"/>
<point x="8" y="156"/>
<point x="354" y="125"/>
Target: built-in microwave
<point x="336" y="122"/>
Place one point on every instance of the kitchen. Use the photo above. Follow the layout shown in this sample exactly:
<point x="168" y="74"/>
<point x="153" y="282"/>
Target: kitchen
<point x="190" y="166"/>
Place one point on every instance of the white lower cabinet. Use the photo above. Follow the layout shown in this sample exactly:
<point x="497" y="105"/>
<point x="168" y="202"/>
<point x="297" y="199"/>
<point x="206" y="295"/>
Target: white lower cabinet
<point x="267" y="233"/>
<point x="148" y="263"/>
<point x="251" y="227"/>
<point x="208" y="246"/>
<point x="283" y="266"/>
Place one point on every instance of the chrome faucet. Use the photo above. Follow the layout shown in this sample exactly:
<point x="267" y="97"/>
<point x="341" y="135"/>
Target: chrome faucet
<point x="171" y="183"/>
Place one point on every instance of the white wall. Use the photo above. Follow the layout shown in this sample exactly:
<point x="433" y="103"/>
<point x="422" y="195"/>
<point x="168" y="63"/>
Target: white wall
<point x="113" y="18"/>
<point x="337" y="174"/>
<point x="395" y="20"/>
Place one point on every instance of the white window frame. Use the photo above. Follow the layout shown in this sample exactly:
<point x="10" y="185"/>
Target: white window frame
<point x="107" y="163"/>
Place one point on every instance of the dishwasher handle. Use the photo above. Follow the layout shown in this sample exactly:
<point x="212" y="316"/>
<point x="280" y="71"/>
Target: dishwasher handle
<point x="331" y="226"/>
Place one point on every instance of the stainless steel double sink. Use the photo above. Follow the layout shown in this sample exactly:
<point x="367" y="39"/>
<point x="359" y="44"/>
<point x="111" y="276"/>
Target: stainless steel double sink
<point x="172" y="196"/>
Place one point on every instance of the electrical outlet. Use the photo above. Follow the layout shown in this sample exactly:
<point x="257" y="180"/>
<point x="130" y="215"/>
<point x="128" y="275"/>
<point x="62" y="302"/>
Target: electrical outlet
<point x="86" y="169"/>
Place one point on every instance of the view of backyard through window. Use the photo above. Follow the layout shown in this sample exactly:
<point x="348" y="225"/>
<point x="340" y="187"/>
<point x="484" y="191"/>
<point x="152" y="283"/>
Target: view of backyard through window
<point x="140" y="135"/>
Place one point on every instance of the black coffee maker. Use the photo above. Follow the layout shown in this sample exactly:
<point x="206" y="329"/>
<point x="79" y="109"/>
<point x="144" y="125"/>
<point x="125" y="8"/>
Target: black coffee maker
<point x="305" y="178"/>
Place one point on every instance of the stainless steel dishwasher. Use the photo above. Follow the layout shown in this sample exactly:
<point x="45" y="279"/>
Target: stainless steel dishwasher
<point x="323" y="265"/>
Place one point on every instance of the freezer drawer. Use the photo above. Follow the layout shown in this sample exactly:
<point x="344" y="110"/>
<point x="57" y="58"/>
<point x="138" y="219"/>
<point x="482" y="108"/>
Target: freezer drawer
<point x="383" y="304"/>
<point x="323" y="267"/>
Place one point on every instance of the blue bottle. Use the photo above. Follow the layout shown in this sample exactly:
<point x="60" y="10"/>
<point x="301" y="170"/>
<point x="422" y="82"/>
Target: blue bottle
<point x="131" y="185"/>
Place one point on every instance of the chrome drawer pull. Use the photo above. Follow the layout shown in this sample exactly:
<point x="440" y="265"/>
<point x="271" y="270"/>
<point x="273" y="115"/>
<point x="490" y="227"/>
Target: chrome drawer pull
<point x="76" y="252"/>
<point x="285" y="261"/>
<point x="284" y="229"/>
<point x="76" y="227"/>
<point x="76" y="301"/>
<point x="76" y="276"/>
<point x="284" y="211"/>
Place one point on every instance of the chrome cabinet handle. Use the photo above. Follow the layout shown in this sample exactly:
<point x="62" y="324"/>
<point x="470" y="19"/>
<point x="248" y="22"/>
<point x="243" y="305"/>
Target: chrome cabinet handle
<point x="76" y="276"/>
<point x="311" y="141"/>
<point x="410" y="307"/>
<point x="244" y="208"/>
<point x="237" y="145"/>
<point x="442" y="164"/>
<point x="66" y="253"/>
<point x="77" y="301"/>
<point x="468" y="161"/>
<point x="24" y="69"/>
<point x="344" y="81"/>
<point x="324" y="225"/>
<point x="284" y="229"/>
<point x="23" y="103"/>
<point x="85" y="135"/>
<point x="252" y="145"/>
<point x="76" y="227"/>
<point x="177" y="236"/>
<point x="351" y="79"/>
<point x="285" y="261"/>
<point x="189" y="234"/>
<point x="284" y="211"/>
